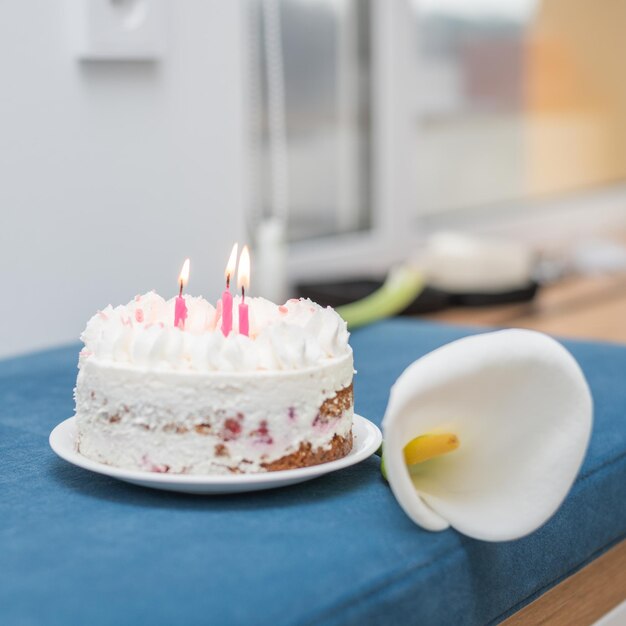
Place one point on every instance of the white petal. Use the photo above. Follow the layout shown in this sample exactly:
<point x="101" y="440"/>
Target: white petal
<point x="522" y="410"/>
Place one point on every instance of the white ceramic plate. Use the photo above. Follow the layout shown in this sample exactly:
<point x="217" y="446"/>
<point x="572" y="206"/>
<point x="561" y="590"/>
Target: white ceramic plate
<point x="367" y="439"/>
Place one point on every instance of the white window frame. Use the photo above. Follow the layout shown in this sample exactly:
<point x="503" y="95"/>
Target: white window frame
<point x="389" y="238"/>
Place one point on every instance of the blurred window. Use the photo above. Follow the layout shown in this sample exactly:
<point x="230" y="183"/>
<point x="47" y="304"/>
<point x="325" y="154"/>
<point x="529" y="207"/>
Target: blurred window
<point x="517" y="99"/>
<point x="514" y="101"/>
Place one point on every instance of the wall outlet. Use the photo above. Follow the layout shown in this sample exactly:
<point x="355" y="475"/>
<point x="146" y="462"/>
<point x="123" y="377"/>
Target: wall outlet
<point x="118" y="29"/>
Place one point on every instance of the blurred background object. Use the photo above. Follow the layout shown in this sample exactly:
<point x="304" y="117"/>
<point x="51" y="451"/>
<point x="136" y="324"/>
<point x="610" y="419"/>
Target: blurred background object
<point x="448" y="270"/>
<point x="519" y="98"/>
<point x="337" y="136"/>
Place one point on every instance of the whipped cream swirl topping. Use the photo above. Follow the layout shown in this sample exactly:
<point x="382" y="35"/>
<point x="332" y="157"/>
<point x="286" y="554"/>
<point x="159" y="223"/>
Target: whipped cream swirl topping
<point x="295" y="335"/>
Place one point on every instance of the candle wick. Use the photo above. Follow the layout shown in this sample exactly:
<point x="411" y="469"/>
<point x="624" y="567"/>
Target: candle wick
<point x="180" y="293"/>
<point x="243" y="294"/>
<point x="227" y="281"/>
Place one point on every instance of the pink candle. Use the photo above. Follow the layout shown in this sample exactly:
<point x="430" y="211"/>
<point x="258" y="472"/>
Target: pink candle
<point x="180" y="307"/>
<point x="180" y="312"/>
<point x="244" y="325"/>
<point x="243" y="283"/>
<point x="227" y="299"/>
<point x="227" y="312"/>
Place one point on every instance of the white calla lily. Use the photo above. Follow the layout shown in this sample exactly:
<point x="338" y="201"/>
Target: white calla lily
<point x="521" y="409"/>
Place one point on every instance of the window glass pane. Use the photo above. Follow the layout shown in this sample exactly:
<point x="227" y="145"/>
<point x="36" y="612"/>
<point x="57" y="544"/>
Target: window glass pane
<point x="517" y="99"/>
<point x="326" y="83"/>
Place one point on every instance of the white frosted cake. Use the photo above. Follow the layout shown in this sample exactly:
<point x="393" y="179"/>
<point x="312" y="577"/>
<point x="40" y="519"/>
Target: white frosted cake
<point x="150" y="396"/>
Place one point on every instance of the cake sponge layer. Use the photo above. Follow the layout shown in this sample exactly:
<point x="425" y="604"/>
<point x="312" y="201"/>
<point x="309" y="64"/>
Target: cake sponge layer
<point x="214" y="422"/>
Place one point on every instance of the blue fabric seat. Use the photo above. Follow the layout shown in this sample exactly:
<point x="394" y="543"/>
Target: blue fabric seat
<point x="79" y="548"/>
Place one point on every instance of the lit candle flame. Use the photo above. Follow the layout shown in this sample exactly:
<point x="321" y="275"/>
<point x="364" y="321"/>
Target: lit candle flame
<point x="183" y="277"/>
<point x="232" y="263"/>
<point x="243" y="272"/>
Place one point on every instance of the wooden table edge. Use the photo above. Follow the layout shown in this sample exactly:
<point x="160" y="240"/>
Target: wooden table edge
<point x="583" y="597"/>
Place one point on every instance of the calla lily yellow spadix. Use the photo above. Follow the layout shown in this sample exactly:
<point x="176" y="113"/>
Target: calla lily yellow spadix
<point x="423" y="448"/>
<point x="426" y="447"/>
<point x="520" y="405"/>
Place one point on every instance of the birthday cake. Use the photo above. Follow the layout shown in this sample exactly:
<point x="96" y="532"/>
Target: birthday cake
<point x="155" y="396"/>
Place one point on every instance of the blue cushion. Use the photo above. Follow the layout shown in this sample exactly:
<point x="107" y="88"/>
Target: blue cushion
<point x="79" y="548"/>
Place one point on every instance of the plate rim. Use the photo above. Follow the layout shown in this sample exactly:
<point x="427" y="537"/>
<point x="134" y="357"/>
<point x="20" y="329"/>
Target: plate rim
<point x="217" y="480"/>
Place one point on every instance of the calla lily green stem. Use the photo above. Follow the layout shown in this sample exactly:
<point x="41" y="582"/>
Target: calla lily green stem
<point x="400" y="289"/>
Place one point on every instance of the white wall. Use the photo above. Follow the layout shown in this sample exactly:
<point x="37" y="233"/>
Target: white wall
<point x="111" y="173"/>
